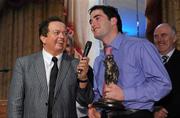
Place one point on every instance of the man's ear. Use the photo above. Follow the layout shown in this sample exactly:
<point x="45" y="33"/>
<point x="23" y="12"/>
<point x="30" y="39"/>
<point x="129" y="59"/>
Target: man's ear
<point x="43" y="39"/>
<point x="174" y="39"/>
<point x="113" y="21"/>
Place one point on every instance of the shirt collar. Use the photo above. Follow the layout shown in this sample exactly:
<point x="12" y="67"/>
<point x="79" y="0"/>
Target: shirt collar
<point x="117" y="41"/>
<point x="169" y="54"/>
<point x="48" y="57"/>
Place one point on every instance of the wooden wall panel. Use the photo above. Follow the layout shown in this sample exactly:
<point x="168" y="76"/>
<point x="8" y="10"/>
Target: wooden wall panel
<point x="3" y="108"/>
<point x="171" y="15"/>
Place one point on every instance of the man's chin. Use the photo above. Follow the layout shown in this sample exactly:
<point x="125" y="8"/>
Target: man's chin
<point x="59" y="49"/>
<point x="97" y="36"/>
<point x="162" y="51"/>
<point x="162" y="48"/>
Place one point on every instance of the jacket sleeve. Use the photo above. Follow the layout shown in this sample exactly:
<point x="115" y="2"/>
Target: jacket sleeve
<point x="85" y="96"/>
<point x="16" y="93"/>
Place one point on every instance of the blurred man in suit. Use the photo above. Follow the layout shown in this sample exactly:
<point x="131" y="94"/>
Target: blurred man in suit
<point x="31" y="82"/>
<point x="70" y="45"/>
<point x="165" y="41"/>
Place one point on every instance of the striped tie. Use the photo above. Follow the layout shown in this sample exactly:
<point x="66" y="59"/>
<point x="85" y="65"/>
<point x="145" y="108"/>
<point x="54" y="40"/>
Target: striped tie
<point x="164" y="58"/>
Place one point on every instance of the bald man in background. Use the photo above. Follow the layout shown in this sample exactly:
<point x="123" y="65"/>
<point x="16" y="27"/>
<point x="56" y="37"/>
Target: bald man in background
<point x="165" y="41"/>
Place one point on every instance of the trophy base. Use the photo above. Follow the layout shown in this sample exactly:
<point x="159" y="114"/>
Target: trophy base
<point x="109" y="104"/>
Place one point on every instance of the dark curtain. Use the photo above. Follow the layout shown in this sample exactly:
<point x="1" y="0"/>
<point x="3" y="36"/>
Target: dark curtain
<point x="153" y="14"/>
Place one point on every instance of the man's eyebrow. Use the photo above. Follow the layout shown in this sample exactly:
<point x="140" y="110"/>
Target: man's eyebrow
<point x="97" y="16"/>
<point x="94" y="17"/>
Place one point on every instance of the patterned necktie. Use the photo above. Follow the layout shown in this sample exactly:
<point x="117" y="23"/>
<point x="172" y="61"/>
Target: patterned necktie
<point x="52" y="84"/>
<point x="111" y="68"/>
<point x="165" y="58"/>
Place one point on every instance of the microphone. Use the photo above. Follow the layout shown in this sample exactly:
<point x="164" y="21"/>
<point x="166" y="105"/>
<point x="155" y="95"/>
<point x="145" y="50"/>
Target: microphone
<point x="86" y="51"/>
<point x="87" y="48"/>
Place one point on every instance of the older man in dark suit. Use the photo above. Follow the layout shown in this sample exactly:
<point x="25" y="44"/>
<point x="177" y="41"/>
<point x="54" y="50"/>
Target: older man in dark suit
<point x="31" y="91"/>
<point x="165" y="41"/>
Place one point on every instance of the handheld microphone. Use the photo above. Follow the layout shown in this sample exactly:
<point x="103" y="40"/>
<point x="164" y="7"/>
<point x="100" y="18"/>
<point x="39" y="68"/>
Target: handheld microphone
<point x="87" y="48"/>
<point x="86" y="51"/>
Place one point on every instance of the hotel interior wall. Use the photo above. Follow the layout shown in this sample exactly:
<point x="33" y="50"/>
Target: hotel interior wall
<point x="128" y="12"/>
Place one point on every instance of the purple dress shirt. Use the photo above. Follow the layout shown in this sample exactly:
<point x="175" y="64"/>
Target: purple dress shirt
<point x="142" y="75"/>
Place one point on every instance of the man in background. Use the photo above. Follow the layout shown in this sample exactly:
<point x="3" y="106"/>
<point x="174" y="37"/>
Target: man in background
<point x="165" y="41"/>
<point x="70" y="45"/>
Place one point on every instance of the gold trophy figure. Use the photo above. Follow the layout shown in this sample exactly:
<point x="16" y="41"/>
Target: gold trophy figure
<point x="111" y="76"/>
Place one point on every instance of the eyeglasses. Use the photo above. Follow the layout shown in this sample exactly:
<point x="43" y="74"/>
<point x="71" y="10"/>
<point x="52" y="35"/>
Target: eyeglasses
<point x="57" y="32"/>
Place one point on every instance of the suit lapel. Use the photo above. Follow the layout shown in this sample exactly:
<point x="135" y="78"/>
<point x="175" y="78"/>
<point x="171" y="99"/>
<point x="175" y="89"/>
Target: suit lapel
<point x="64" y="67"/>
<point x="172" y="58"/>
<point x="41" y="73"/>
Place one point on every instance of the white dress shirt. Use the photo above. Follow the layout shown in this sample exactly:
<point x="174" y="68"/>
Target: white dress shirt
<point x="49" y="63"/>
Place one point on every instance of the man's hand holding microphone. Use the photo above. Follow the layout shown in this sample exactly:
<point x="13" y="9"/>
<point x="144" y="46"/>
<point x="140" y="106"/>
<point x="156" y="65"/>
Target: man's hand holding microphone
<point x="83" y="66"/>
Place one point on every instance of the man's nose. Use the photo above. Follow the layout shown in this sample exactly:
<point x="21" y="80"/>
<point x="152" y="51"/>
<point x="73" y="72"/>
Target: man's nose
<point x="62" y="35"/>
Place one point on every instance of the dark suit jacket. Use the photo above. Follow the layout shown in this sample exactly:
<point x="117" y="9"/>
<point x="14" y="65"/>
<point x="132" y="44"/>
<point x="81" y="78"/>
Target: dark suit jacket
<point x="28" y="95"/>
<point x="172" y="101"/>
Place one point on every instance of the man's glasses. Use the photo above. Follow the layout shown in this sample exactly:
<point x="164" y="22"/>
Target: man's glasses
<point x="57" y="32"/>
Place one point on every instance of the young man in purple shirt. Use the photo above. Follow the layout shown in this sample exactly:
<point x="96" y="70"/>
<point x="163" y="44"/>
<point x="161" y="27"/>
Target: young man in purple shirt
<point x="142" y="77"/>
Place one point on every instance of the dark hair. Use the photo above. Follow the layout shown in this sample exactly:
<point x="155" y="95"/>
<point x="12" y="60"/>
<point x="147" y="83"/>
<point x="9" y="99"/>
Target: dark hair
<point x="43" y="26"/>
<point x="110" y="12"/>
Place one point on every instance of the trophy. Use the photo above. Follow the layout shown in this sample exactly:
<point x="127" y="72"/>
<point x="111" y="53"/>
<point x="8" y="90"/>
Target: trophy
<point x="111" y="76"/>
